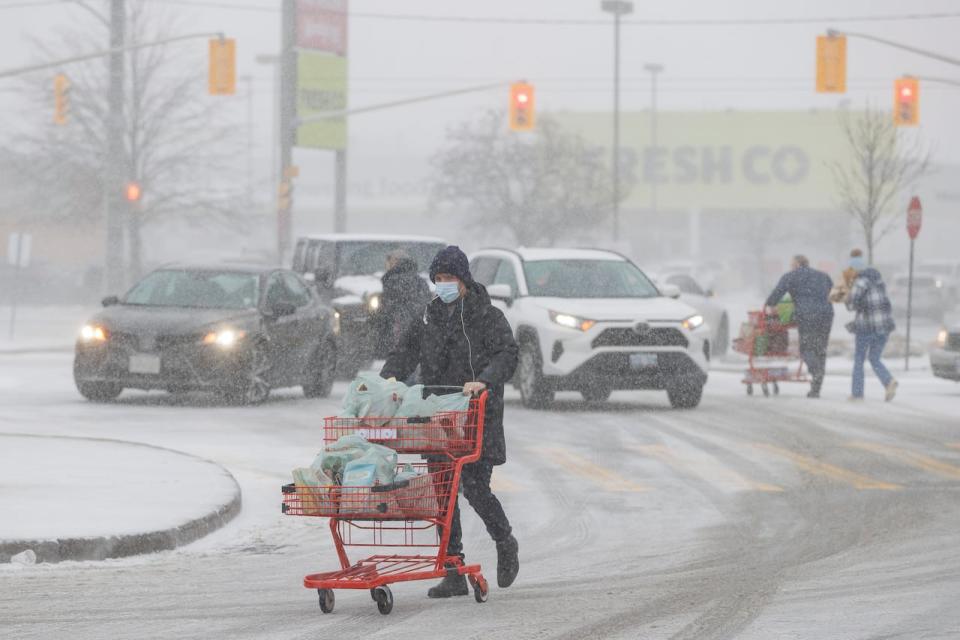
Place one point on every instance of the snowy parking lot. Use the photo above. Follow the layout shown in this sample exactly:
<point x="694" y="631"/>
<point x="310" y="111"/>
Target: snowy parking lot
<point x="748" y="517"/>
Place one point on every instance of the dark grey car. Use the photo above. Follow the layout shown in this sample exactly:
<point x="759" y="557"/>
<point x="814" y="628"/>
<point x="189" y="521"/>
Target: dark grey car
<point x="238" y="330"/>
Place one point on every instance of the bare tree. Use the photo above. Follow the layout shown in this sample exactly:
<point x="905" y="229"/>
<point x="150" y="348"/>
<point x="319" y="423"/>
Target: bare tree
<point x="180" y="145"/>
<point x="540" y="186"/>
<point x="881" y="167"/>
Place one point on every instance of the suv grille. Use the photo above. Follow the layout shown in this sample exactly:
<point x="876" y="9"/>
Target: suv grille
<point x="627" y="337"/>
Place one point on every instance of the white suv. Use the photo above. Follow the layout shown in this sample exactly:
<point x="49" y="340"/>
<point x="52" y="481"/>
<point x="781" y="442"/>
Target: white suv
<point x="591" y="321"/>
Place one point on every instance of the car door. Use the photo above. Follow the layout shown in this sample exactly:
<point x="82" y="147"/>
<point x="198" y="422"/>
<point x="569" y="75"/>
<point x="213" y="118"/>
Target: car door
<point x="282" y="331"/>
<point x="308" y="320"/>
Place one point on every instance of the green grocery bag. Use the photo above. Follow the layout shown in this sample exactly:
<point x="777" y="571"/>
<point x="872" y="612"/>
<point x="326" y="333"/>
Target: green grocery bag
<point x="785" y="309"/>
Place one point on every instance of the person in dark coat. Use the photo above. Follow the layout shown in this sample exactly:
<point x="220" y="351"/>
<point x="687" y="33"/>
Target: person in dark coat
<point x="404" y="295"/>
<point x="463" y="340"/>
<point x="810" y="291"/>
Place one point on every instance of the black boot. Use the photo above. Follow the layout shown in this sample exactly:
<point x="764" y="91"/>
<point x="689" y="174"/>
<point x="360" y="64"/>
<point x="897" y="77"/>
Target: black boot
<point x="453" y="585"/>
<point x="815" y="387"/>
<point x="508" y="562"/>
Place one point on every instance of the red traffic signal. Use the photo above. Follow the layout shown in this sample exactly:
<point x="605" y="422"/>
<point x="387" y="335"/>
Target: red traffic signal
<point x="906" y="101"/>
<point x="521" y="106"/>
<point x="133" y="192"/>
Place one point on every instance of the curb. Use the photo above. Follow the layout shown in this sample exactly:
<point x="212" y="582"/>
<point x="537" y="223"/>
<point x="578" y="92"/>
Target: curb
<point x="106" y="547"/>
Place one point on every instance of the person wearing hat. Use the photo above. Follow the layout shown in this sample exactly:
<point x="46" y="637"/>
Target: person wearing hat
<point x="464" y="340"/>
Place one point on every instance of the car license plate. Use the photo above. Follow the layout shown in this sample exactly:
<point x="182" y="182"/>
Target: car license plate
<point x="145" y="363"/>
<point x="643" y="361"/>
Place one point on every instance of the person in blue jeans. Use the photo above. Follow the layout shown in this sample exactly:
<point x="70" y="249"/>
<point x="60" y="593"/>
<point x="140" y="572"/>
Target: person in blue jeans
<point x="871" y="327"/>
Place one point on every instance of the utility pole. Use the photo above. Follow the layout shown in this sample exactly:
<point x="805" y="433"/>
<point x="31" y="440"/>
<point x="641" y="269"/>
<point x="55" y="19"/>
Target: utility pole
<point x="618" y="8"/>
<point x="340" y="191"/>
<point x="288" y="114"/>
<point x="116" y="158"/>
<point x="248" y="84"/>
<point x="654" y="69"/>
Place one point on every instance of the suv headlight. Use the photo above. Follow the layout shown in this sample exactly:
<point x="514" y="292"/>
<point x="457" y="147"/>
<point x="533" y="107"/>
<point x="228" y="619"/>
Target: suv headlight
<point x="942" y="338"/>
<point x="693" y="323"/>
<point x="373" y="303"/>
<point x="224" y="338"/>
<point x="572" y="322"/>
<point x="92" y="333"/>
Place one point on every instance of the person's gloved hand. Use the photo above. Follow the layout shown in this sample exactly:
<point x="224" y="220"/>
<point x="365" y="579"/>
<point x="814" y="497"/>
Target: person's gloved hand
<point x="474" y="388"/>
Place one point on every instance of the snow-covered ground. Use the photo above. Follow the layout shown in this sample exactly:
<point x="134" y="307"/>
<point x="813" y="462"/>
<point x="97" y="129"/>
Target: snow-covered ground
<point x="750" y="518"/>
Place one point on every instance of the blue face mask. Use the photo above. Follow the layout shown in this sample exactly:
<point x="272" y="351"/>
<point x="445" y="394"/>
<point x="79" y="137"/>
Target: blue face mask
<point x="858" y="263"/>
<point x="448" y="291"/>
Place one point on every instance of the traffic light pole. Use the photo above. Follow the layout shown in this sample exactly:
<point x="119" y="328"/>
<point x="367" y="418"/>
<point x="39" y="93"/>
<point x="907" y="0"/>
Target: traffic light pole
<point x="115" y="169"/>
<point x="922" y="52"/>
<point x="288" y="115"/>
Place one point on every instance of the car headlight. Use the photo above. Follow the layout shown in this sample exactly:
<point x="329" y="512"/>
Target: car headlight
<point x="693" y="323"/>
<point x="572" y="322"/>
<point x="224" y="338"/>
<point x="373" y="303"/>
<point x="942" y="338"/>
<point x="336" y="323"/>
<point x="91" y="333"/>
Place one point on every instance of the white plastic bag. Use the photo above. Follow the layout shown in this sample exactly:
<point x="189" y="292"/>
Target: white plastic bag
<point x="370" y="396"/>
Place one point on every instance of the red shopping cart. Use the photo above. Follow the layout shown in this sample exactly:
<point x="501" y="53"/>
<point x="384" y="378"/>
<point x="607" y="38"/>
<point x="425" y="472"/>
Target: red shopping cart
<point x="415" y="514"/>
<point x="770" y="355"/>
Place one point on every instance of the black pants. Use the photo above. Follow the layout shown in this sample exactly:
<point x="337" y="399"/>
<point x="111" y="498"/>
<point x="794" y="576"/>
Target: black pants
<point x="813" y="350"/>
<point x="475" y="482"/>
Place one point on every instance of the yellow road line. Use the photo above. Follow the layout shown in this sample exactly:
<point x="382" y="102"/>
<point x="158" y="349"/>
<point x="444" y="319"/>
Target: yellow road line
<point x="596" y="474"/>
<point x="501" y="484"/>
<point x="912" y="458"/>
<point x="816" y="467"/>
<point x="704" y="466"/>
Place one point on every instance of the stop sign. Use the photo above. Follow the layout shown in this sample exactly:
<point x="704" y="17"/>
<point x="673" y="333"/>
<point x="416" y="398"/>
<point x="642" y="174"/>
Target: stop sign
<point x="914" y="217"/>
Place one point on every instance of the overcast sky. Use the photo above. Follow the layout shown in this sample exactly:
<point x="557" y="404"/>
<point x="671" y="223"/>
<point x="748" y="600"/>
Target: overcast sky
<point x="706" y="67"/>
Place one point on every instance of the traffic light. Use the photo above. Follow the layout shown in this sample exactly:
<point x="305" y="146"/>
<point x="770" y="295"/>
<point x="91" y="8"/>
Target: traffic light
<point x="133" y="192"/>
<point x="906" y="102"/>
<point x="285" y="195"/>
<point x="832" y="64"/>
<point x="521" y="107"/>
<point x="61" y="99"/>
<point x="222" y="79"/>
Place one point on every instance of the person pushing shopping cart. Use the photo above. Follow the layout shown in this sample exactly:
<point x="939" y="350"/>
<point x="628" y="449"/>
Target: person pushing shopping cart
<point x="462" y="339"/>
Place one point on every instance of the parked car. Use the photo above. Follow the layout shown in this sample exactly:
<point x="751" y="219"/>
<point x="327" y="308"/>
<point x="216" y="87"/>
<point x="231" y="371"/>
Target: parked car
<point x="239" y="330"/>
<point x="346" y="271"/>
<point x="947" y="278"/>
<point x="706" y="303"/>
<point x="945" y="356"/>
<point x="591" y="321"/>
<point x="928" y="298"/>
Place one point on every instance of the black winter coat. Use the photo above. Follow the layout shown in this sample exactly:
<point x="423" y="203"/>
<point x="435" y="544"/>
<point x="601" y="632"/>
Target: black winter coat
<point x="405" y="294"/>
<point x="810" y="291"/>
<point x="453" y="344"/>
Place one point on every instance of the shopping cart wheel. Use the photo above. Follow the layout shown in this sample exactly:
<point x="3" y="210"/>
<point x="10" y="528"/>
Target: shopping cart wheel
<point x="480" y="588"/>
<point x="327" y="600"/>
<point x="765" y="389"/>
<point x="776" y="389"/>
<point x="384" y="600"/>
<point x="749" y="389"/>
<point x="373" y="594"/>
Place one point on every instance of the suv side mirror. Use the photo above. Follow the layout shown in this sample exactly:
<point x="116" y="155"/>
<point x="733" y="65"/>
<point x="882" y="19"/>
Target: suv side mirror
<point x="110" y="301"/>
<point x="670" y="290"/>
<point x="280" y="309"/>
<point x="501" y="292"/>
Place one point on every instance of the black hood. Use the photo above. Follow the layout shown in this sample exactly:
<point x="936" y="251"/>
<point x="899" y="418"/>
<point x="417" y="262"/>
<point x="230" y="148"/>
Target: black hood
<point x="404" y="265"/>
<point x="170" y="320"/>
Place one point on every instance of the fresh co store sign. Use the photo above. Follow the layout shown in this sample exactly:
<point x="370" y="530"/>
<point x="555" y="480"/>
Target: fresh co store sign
<point x="725" y="160"/>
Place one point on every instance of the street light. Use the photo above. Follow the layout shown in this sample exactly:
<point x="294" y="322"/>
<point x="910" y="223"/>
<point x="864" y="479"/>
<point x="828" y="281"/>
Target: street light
<point x="654" y="69"/>
<point x="617" y="8"/>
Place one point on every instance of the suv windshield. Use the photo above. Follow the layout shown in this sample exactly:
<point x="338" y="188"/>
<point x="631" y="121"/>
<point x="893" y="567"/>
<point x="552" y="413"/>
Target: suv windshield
<point x="366" y="258"/>
<point x="587" y="279"/>
<point x="200" y="289"/>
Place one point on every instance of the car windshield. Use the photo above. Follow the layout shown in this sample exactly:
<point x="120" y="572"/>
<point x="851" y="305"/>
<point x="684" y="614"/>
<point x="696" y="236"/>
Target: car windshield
<point x="199" y="289"/>
<point x="587" y="279"/>
<point x="366" y="258"/>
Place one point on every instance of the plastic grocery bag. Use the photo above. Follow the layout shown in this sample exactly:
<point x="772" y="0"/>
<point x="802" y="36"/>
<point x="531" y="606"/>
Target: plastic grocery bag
<point x="414" y="405"/>
<point x="316" y="490"/>
<point x="785" y="310"/>
<point x="370" y="396"/>
<point x="334" y="460"/>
